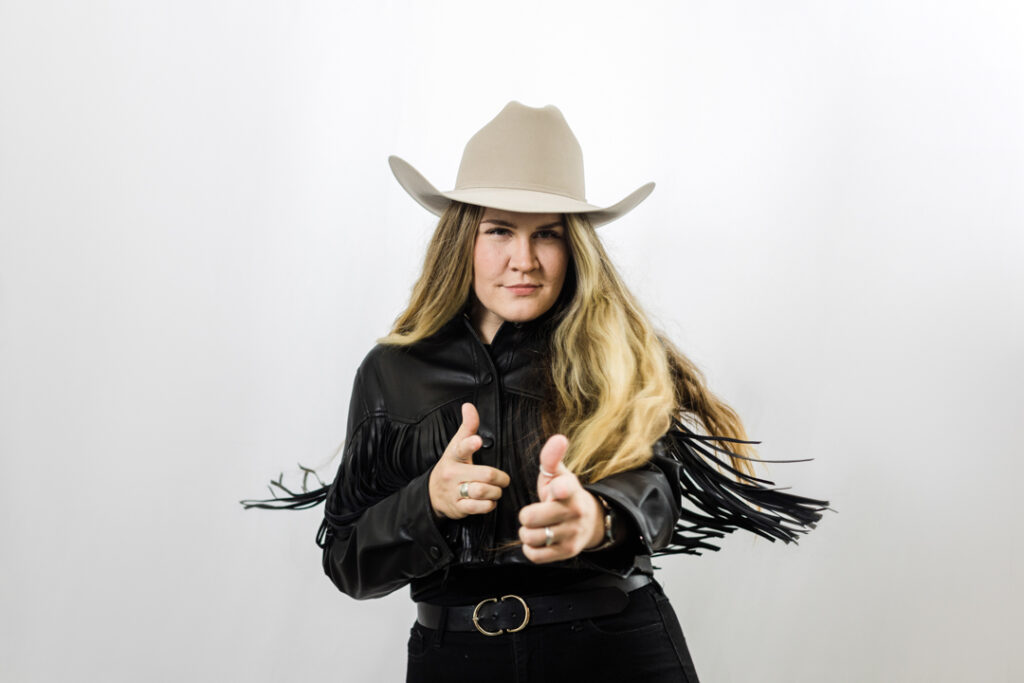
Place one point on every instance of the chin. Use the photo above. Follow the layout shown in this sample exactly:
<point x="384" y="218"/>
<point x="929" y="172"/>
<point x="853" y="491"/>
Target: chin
<point x="522" y="315"/>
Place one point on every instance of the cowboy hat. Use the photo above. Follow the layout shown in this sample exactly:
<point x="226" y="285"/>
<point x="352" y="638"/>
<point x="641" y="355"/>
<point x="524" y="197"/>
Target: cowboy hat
<point x="526" y="159"/>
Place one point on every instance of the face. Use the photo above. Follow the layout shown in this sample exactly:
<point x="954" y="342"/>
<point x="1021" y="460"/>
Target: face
<point x="519" y="266"/>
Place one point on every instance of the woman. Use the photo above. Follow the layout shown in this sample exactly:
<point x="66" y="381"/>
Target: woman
<point x="515" y="448"/>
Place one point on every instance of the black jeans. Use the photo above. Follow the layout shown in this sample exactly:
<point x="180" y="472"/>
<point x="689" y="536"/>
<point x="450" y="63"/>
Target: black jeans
<point x="644" y="642"/>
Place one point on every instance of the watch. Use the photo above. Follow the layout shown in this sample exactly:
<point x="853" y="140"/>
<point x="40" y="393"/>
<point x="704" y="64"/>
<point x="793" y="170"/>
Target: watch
<point x="609" y="522"/>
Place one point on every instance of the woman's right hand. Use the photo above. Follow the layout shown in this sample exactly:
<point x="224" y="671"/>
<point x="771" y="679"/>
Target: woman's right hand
<point x="455" y="467"/>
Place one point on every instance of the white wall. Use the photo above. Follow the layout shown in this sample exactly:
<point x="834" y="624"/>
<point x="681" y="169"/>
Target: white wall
<point x="200" y="238"/>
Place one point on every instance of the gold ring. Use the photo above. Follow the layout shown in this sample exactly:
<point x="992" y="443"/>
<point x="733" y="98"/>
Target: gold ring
<point x="549" y="536"/>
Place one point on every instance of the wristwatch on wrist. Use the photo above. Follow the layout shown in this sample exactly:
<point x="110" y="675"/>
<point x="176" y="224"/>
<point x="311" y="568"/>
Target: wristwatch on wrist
<point x="609" y="521"/>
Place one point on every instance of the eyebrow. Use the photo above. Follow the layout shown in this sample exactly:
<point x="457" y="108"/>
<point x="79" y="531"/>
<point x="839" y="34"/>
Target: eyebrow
<point x="509" y="224"/>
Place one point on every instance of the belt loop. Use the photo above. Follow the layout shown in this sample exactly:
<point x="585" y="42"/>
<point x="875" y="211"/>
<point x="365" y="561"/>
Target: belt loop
<point x="441" y="627"/>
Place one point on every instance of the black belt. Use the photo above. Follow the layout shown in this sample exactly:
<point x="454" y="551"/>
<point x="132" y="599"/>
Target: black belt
<point x="595" y="597"/>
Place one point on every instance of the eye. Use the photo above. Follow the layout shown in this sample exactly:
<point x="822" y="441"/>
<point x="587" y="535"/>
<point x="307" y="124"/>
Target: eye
<point x="548" y="234"/>
<point x="497" y="231"/>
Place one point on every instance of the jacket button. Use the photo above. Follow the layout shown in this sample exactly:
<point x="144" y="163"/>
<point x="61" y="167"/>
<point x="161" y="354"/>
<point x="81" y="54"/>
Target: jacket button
<point x="435" y="552"/>
<point x="488" y="378"/>
<point x="487" y="442"/>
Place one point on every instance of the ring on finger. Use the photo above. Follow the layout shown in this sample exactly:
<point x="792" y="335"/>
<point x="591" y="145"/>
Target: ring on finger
<point x="549" y="536"/>
<point x="464" y="490"/>
<point x="546" y="473"/>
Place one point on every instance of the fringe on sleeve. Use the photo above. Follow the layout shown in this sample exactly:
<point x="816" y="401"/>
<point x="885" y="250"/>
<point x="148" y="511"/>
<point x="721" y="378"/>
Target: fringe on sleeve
<point x="292" y="500"/>
<point x="379" y="458"/>
<point x="718" y="498"/>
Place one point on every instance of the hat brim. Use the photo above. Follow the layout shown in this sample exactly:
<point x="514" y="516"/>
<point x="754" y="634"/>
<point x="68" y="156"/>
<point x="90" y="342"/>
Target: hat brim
<point x="509" y="199"/>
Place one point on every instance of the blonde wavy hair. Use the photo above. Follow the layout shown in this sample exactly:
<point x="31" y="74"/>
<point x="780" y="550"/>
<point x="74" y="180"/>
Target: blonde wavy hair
<point x="615" y="383"/>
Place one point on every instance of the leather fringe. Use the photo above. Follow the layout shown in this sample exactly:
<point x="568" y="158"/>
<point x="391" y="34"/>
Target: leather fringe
<point x="302" y="500"/>
<point x="720" y="498"/>
<point x="723" y="499"/>
<point x="380" y="456"/>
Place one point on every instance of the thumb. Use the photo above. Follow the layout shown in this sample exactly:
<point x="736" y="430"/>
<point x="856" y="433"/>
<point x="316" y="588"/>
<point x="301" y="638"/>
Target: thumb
<point x="551" y="456"/>
<point x="468" y="428"/>
<point x="470" y="420"/>
<point x="552" y="453"/>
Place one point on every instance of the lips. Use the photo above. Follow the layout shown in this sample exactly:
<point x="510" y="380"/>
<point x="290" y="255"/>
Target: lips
<point x="522" y="289"/>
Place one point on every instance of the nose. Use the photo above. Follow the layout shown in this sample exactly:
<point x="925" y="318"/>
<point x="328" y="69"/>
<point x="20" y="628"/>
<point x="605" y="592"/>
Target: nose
<point x="523" y="258"/>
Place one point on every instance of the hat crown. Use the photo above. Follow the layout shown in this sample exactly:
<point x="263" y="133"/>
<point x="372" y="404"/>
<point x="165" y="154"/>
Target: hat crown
<point x="525" y="148"/>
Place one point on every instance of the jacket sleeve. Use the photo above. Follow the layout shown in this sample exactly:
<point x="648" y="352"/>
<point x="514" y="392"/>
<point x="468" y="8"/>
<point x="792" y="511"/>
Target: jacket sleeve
<point x="378" y="531"/>
<point x="648" y="498"/>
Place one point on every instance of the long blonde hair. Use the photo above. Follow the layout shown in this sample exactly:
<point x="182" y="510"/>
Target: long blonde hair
<point x="615" y="383"/>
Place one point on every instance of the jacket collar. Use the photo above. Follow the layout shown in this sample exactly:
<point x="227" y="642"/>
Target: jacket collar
<point x="511" y="335"/>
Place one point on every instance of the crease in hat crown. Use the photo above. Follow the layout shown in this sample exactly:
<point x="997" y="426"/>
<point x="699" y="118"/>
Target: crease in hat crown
<point x="524" y="159"/>
<point x="551" y="162"/>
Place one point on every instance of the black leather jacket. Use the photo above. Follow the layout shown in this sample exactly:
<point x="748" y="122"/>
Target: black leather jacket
<point x="379" y="532"/>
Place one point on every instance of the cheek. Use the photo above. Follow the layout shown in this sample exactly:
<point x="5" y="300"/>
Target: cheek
<point x="557" y="263"/>
<point x="487" y="261"/>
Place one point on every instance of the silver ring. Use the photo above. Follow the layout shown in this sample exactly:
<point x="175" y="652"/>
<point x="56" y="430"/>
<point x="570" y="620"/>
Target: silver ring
<point x="549" y="536"/>
<point x="546" y="473"/>
<point x="464" y="490"/>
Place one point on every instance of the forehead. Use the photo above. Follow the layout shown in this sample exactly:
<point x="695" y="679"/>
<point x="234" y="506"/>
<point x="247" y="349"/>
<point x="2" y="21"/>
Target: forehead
<point x="518" y="219"/>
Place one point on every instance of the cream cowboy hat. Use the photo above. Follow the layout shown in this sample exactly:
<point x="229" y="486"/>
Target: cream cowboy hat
<point x="525" y="159"/>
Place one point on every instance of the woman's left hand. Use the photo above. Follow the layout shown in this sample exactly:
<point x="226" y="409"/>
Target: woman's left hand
<point x="568" y="520"/>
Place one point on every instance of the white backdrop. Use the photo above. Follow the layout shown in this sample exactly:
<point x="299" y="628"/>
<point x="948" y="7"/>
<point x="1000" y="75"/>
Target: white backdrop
<point x="200" y="239"/>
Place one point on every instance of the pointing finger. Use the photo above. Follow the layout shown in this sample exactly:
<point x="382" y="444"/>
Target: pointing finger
<point x="562" y="488"/>
<point x="488" y="475"/>
<point x="465" y="448"/>
<point x="539" y="515"/>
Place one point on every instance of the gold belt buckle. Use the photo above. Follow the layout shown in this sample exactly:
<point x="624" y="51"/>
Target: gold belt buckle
<point x="476" y="620"/>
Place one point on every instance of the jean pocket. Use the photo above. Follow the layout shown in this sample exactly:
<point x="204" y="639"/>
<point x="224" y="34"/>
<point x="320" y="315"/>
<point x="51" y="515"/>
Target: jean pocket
<point x="616" y="628"/>
<point x="417" y="646"/>
<point x="640" y="617"/>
